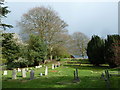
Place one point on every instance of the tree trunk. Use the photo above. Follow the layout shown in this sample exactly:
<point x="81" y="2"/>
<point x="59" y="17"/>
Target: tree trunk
<point x="51" y="57"/>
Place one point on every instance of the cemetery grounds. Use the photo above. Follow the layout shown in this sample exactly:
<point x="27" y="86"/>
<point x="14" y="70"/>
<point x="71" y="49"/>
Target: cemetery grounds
<point x="63" y="76"/>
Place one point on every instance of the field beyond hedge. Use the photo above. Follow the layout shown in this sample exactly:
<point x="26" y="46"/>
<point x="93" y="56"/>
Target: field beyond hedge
<point x="62" y="77"/>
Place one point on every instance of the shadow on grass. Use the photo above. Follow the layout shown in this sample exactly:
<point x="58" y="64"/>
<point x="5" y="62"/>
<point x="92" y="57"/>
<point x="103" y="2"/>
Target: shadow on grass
<point x="90" y="67"/>
<point x="56" y="82"/>
<point x="59" y="82"/>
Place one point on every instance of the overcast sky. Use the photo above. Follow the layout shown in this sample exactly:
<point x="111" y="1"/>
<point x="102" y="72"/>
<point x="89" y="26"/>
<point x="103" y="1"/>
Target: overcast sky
<point x="99" y="18"/>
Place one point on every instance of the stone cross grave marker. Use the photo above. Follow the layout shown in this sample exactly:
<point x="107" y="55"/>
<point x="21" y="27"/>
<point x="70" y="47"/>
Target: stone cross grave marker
<point x="31" y="74"/>
<point x="5" y="72"/>
<point x="46" y="70"/>
<point x="76" y="78"/>
<point x="14" y="73"/>
<point x="23" y="73"/>
<point x="52" y="66"/>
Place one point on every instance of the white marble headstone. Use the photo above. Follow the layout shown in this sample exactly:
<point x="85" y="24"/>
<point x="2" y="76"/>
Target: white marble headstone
<point x="14" y="73"/>
<point x="40" y="74"/>
<point x="46" y="70"/>
<point x="19" y="70"/>
<point x="5" y="72"/>
<point x="31" y="74"/>
<point x="52" y="66"/>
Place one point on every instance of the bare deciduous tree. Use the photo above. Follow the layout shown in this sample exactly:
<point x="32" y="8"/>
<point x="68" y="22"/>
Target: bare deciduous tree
<point x="78" y="44"/>
<point x="45" y="22"/>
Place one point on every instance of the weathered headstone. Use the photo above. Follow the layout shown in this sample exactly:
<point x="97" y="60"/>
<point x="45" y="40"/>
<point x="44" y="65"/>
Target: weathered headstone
<point x="23" y="73"/>
<point x="46" y="70"/>
<point x="52" y="66"/>
<point x="14" y="73"/>
<point x="31" y="74"/>
<point x="19" y="70"/>
<point x="5" y="72"/>
<point x="76" y="78"/>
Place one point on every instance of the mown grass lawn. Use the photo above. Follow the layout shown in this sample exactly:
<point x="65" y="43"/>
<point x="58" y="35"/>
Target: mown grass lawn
<point x="62" y="77"/>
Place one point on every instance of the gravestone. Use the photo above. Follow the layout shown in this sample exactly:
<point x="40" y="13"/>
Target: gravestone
<point x="14" y="73"/>
<point x="5" y="72"/>
<point x="76" y="78"/>
<point x="31" y="74"/>
<point x="46" y="70"/>
<point x="41" y="74"/>
<point x="52" y="66"/>
<point x="23" y="73"/>
<point x="19" y="70"/>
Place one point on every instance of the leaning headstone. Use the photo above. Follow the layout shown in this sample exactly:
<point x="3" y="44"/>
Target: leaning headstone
<point x="5" y="72"/>
<point x="52" y="66"/>
<point x="14" y="73"/>
<point x="31" y="74"/>
<point x="19" y="70"/>
<point x="23" y="73"/>
<point x="76" y="78"/>
<point x="46" y="70"/>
